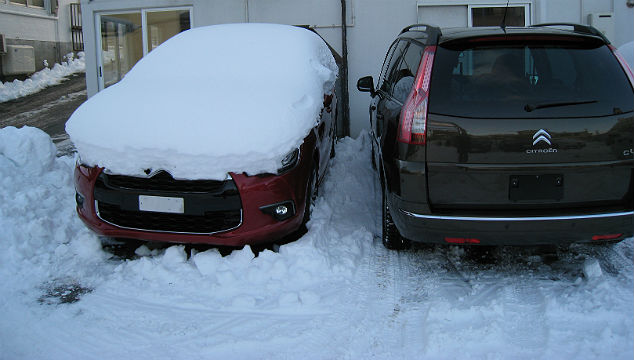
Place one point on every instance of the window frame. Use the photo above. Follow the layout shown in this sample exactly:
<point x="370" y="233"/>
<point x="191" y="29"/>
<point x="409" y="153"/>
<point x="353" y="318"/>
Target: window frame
<point x="28" y="4"/>
<point x="144" y="21"/>
<point x="389" y="69"/>
<point x="386" y="64"/>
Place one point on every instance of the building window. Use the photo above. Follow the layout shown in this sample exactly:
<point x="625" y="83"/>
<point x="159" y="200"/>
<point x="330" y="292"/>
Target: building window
<point x="29" y="3"/>
<point x="128" y="36"/>
<point x="493" y="15"/>
<point x="162" y="25"/>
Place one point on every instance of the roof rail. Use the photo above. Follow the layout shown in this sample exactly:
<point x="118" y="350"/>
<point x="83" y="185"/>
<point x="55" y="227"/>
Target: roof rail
<point x="578" y="28"/>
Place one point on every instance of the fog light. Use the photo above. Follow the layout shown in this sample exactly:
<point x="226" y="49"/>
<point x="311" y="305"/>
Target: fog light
<point x="280" y="211"/>
<point x="79" y="200"/>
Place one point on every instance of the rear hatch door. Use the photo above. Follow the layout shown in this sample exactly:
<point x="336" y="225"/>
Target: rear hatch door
<point x="529" y="123"/>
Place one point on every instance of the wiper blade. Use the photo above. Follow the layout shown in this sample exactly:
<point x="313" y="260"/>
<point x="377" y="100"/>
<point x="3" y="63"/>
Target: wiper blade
<point x="531" y="107"/>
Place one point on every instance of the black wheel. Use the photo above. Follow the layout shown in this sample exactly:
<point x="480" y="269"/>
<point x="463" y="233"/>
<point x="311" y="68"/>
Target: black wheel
<point x="334" y="140"/>
<point x="311" y="195"/>
<point x="332" y="148"/>
<point x="372" y="155"/>
<point x="392" y="239"/>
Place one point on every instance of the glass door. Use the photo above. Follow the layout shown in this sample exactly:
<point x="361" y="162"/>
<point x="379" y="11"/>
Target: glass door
<point x="163" y="24"/>
<point x="121" y="46"/>
<point x="125" y="37"/>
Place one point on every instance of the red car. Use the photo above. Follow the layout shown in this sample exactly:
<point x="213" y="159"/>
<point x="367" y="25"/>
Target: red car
<point x="239" y="210"/>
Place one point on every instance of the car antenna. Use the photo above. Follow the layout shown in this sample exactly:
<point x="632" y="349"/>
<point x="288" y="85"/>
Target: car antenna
<point x="503" y="24"/>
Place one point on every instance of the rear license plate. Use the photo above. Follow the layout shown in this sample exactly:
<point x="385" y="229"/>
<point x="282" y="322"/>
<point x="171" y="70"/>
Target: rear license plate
<point x="536" y="187"/>
<point x="162" y="204"/>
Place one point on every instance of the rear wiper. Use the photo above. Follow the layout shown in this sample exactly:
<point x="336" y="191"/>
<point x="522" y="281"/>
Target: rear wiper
<point x="531" y="107"/>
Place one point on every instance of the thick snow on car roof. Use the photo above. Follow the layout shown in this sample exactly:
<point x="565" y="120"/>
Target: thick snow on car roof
<point x="211" y="100"/>
<point x="627" y="50"/>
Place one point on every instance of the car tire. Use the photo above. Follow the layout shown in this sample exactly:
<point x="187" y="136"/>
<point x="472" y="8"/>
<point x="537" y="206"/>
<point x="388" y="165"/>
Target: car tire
<point x="334" y="140"/>
<point x="372" y="155"/>
<point x="332" y="149"/>
<point x="391" y="237"/>
<point x="311" y="195"/>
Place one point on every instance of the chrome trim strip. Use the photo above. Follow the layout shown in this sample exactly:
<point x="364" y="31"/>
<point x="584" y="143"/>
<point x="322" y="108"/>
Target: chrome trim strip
<point x="164" y="231"/>
<point x="533" y="218"/>
<point x="616" y="163"/>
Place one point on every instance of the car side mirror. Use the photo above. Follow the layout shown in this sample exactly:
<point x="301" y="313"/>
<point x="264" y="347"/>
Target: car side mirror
<point x="366" y="84"/>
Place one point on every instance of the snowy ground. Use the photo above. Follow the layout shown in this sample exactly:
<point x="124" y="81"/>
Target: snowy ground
<point x="336" y="293"/>
<point x="43" y="78"/>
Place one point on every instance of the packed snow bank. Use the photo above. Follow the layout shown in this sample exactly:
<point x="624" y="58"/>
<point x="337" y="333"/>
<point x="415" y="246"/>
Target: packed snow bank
<point x="336" y="293"/>
<point x="208" y="101"/>
<point x="27" y="149"/>
<point x="43" y="78"/>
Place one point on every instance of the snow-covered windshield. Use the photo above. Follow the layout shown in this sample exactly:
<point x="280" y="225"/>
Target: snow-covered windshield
<point x="211" y="100"/>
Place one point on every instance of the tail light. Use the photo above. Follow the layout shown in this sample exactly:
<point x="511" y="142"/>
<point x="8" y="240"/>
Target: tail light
<point x="624" y="64"/>
<point x="606" y="237"/>
<point x="457" y="240"/>
<point x="413" y="121"/>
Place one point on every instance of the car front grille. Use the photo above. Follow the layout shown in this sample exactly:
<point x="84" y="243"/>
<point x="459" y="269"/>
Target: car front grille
<point x="210" y="206"/>
<point x="211" y="222"/>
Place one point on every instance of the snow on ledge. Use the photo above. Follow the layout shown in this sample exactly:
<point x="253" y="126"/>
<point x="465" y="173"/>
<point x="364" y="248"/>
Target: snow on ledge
<point x="211" y="100"/>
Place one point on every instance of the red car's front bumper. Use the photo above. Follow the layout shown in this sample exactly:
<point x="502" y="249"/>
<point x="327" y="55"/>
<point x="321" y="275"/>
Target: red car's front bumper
<point x="255" y="192"/>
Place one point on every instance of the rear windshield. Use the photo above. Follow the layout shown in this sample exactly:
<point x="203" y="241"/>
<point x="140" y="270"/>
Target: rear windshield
<point x="526" y="78"/>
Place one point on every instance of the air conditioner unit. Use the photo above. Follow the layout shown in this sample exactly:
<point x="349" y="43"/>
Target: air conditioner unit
<point x="3" y="44"/>
<point x="19" y="59"/>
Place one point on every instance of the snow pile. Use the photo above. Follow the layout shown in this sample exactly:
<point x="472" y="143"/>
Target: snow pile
<point x="43" y="78"/>
<point x="41" y="238"/>
<point x="208" y="101"/>
<point x="37" y="215"/>
<point x="26" y="150"/>
<point x="592" y="269"/>
<point x="336" y="293"/>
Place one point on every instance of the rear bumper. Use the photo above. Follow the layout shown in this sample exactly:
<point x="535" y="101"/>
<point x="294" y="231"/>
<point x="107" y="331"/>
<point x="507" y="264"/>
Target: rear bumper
<point x="531" y="230"/>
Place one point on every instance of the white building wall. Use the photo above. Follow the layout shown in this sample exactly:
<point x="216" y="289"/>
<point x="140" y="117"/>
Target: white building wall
<point x="18" y="22"/>
<point x="48" y="32"/>
<point x="372" y="25"/>
<point x="27" y="25"/>
<point x="377" y="23"/>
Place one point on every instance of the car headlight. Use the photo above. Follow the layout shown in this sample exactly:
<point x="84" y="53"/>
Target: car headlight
<point x="289" y="161"/>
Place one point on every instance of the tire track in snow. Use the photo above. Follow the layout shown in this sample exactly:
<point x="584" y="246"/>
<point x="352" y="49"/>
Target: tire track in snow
<point x="373" y="299"/>
<point x="524" y="324"/>
<point x="412" y="301"/>
<point x="187" y="323"/>
<point x="420" y="277"/>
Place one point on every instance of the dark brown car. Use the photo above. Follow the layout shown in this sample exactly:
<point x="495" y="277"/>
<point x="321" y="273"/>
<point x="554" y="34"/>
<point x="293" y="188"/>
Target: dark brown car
<point x="518" y="136"/>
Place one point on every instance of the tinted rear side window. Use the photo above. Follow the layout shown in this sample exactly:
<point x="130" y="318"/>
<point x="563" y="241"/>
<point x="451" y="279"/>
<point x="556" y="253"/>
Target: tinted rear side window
<point x="527" y="78"/>
<point x="396" y="57"/>
<point x="403" y="76"/>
